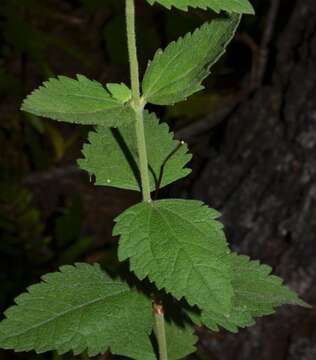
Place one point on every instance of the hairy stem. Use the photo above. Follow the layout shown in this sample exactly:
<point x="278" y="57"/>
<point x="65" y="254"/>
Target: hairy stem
<point x="137" y="103"/>
<point x="138" y="106"/>
<point x="160" y="331"/>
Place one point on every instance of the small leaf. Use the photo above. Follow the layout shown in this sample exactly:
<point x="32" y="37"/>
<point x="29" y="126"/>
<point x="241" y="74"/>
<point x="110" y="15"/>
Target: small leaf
<point x="81" y="101"/>
<point x="180" y="246"/>
<point x="76" y="309"/>
<point x="256" y="293"/>
<point x="238" y="6"/>
<point x="120" y="92"/>
<point x="180" y="340"/>
<point x="111" y="156"/>
<point x="178" y="71"/>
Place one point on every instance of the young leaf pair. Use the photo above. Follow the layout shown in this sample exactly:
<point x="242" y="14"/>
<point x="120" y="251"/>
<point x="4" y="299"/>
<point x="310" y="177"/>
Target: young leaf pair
<point x="178" y="244"/>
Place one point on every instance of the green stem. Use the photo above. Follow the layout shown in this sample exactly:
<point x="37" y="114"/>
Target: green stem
<point x="137" y="102"/>
<point x="138" y="106"/>
<point x="160" y="331"/>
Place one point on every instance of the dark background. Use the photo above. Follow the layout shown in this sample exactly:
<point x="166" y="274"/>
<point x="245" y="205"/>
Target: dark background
<point x="253" y="134"/>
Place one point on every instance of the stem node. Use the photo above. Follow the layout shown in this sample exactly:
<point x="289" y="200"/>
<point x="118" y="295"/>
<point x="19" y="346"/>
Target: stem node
<point x="137" y="102"/>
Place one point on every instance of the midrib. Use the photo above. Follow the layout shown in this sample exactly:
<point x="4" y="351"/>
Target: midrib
<point x="94" y="301"/>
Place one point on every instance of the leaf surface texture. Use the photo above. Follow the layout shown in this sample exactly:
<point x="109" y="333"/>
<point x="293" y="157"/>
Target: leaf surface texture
<point x="81" y="101"/>
<point x="178" y="71"/>
<point x="111" y="156"/>
<point x="181" y="340"/>
<point x="181" y="247"/>
<point x="79" y="308"/>
<point x="256" y="293"/>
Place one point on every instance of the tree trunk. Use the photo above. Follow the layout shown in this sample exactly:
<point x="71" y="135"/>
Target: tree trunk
<point x="263" y="179"/>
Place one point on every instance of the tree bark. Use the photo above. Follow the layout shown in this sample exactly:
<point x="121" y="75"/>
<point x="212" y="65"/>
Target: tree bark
<point x="263" y="178"/>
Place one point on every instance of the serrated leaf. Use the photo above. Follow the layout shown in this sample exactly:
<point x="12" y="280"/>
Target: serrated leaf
<point x="181" y="340"/>
<point x="76" y="309"/>
<point x="181" y="247"/>
<point x="178" y="71"/>
<point x="238" y="6"/>
<point x="256" y="293"/>
<point x="81" y="101"/>
<point x="111" y="156"/>
<point x="120" y="91"/>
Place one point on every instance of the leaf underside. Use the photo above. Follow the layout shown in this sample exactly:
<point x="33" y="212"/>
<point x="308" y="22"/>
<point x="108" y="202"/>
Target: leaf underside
<point x="181" y="247"/>
<point x="79" y="308"/>
<point x="111" y="156"/>
<point x="238" y="6"/>
<point x="81" y="101"/>
<point x="178" y="71"/>
<point x="256" y="293"/>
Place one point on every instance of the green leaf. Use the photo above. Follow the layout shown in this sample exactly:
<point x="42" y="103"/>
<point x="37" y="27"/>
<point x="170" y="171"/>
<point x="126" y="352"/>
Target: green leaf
<point x="178" y="71"/>
<point x="238" y="6"/>
<point x="256" y="293"/>
<point x="180" y="246"/>
<point x="81" y="101"/>
<point x="120" y="92"/>
<point x="76" y="309"/>
<point x="180" y="340"/>
<point x="111" y="156"/>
